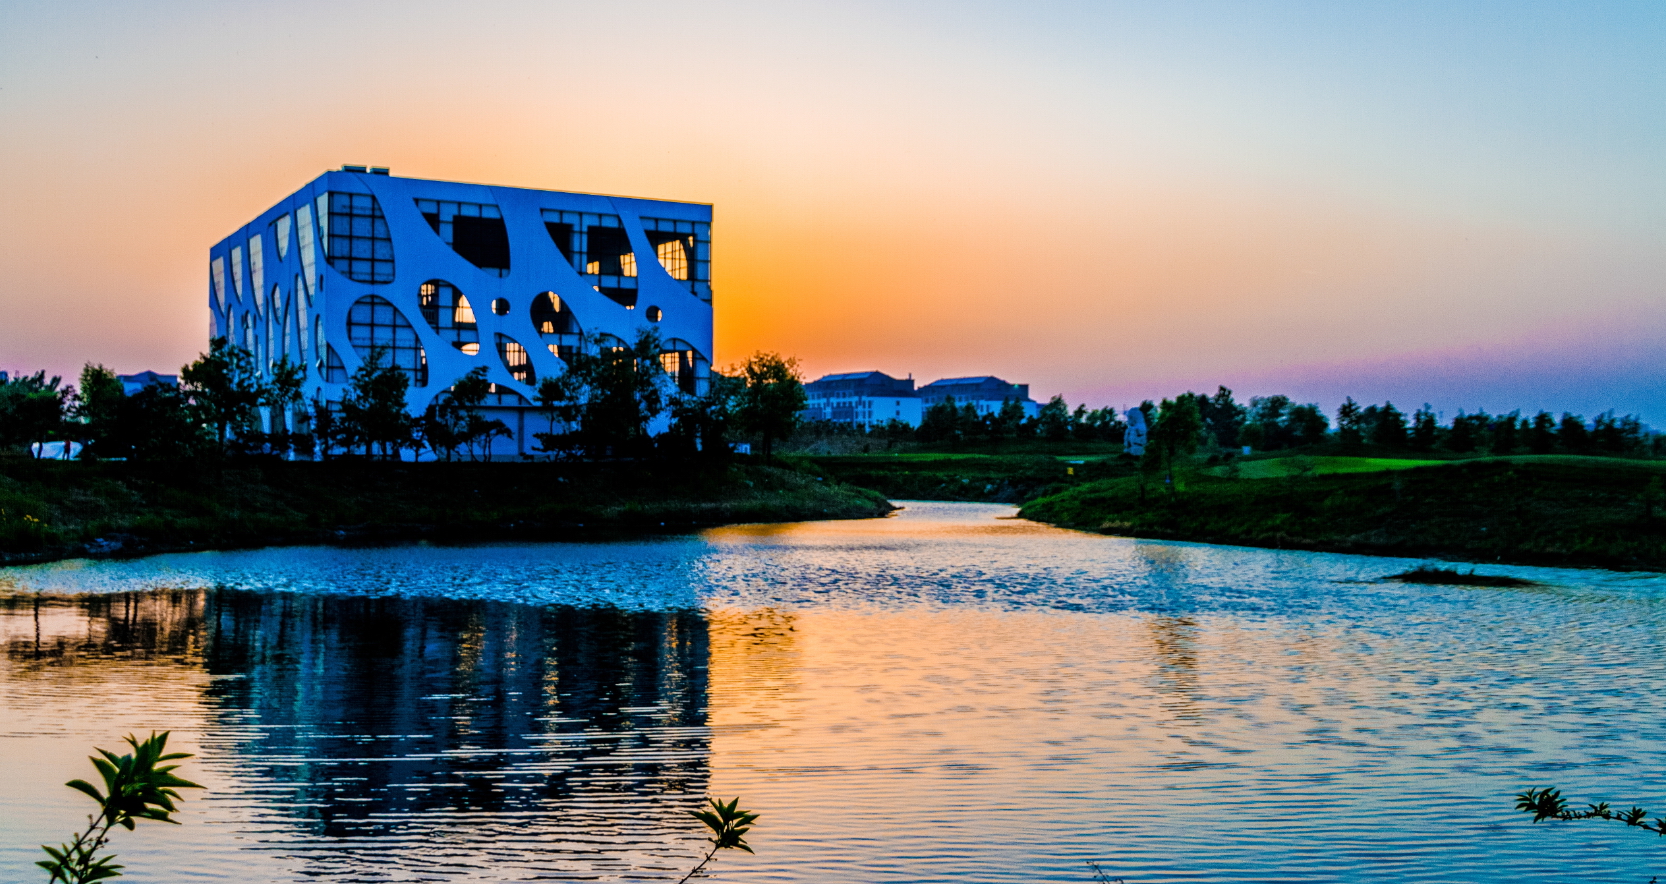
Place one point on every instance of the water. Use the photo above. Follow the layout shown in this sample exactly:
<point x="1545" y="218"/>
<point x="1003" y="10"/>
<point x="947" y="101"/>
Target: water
<point x="947" y="695"/>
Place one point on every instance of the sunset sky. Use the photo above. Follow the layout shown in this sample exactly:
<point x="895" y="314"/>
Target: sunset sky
<point x="1458" y="203"/>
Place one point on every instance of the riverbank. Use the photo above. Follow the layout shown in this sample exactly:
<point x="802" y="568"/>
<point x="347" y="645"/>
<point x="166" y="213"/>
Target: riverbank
<point x="53" y="510"/>
<point x="1592" y="512"/>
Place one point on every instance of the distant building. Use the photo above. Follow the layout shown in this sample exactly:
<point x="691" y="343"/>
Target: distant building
<point x="133" y="383"/>
<point x="868" y="398"/>
<point x="985" y="394"/>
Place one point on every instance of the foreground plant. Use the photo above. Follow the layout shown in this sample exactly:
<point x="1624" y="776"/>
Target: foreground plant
<point x="1548" y="804"/>
<point x="140" y="786"/>
<point x="728" y="825"/>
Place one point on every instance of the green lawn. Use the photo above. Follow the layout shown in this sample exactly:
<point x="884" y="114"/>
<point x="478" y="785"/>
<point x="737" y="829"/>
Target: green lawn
<point x="1281" y="467"/>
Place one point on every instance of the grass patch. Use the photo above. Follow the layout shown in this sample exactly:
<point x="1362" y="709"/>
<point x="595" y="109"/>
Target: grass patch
<point x="1323" y="465"/>
<point x="1452" y="577"/>
<point x="57" y="509"/>
<point x="1594" y="511"/>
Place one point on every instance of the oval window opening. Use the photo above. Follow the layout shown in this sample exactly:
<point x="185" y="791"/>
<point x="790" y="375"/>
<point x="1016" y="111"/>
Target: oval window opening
<point x="655" y="314"/>
<point x="449" y="314"/>
<point x="500" y="306"/>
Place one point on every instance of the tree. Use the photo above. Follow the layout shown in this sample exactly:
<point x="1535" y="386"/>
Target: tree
<point x="1541" y="436"/>
<point x="373" y="411"/>
<point x="1466" y="432"/>
<point x="773" y="396"/>
<point x="32" y="409"/>
<point x="1390" y="427"/>
<point x="1424" y="429"/>
<point x="1572" y="435"/>
<point x="1307" y="424"/>
<point x="1348" y="424"/>
<point x="98" y="410"/>
<point x="618" y="390"/>
<point x="1223" y="417"/>
<point x="283" y="396"/>
<point x="941" y="422"/>
<point x="158" y="424"/>
<point x="1004" y="423"/>
<point x="1503" y="433"/>
<point x="1054" y="420"/>
<point x="558" y="396"/>
<point x="1174" y="435"/>
<point x="1270" y="413"/>
<point x="224" y="388"/>
<point x="700" y="424"/>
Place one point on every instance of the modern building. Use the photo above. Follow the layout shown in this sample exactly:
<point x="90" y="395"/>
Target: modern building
<point x="867" y="398"/>
<point x="444" y="277"/>
<point x="985" y="394"/>
<point x="133" y="383"/>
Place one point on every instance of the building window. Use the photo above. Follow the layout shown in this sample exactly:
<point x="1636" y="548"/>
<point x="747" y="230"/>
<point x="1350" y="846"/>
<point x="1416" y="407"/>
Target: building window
<point x="449" y="314"/>
<point x="685" y="365"/>
<point x="498" y="394"/>
<point x="474" y="231"/>
<point x="683" y="249"/>
<point x="599" y="248"/>
<point x="257" y="269"/>
<point x="217" y="276"/>
<point x="556" y="325"/>
<point x="334" y="371"/>
<point x="309" y="259"/>
<point x="516" y="359"/>
<point x="373" y="322"/>
<point x="237" y="270"/>
<point x="654" y="314"/>
<point x="283" y="224"/>
<point x="356" y="238"/>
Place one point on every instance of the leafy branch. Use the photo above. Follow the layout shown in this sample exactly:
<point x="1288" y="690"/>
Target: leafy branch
<point x="139" y="786"/>
<point x="1548" y="804"/>
<point x="729" y="826"/>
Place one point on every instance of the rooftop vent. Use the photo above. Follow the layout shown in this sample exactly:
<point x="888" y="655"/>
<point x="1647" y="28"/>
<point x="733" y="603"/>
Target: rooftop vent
<point x="347" y="168"/>
<point x="378" y="170"/>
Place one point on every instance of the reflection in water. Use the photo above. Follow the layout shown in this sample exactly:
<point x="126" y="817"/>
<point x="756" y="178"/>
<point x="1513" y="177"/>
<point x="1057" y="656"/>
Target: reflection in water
<point x="1174" y="640"/>
<point x="939" y="697"/>
<point x="367" y="730"/>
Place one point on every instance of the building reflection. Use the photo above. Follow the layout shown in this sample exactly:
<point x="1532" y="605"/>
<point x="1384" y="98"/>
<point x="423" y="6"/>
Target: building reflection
<point x="350" y="718"/>
<point x="378" y="710"/>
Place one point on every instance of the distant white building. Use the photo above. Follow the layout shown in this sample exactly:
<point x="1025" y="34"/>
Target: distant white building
<point x="985" y="394"/>
<point x="865" y="398"/>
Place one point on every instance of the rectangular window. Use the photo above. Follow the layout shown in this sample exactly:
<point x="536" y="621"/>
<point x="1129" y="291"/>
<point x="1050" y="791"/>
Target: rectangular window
<point x="475" y="231"/>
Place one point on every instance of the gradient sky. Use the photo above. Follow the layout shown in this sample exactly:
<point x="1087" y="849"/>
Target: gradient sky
<point x="1463" y="204"/>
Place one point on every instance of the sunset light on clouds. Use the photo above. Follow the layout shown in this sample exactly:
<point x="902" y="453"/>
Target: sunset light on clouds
<point x="1456" y="203"/>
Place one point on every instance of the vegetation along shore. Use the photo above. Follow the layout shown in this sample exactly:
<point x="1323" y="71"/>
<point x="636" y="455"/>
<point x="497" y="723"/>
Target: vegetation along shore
<point x="56" y="509"/>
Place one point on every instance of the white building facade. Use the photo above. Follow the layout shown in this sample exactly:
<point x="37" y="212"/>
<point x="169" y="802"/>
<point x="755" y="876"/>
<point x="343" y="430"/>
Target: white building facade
<point x="866" y="398"/>
<point x="986" y="394"/>
<point x="445" y="277"/>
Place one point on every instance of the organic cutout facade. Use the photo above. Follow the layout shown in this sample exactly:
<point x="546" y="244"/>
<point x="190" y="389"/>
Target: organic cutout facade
<point x="474" y="231"/>
<point x="449" y="314"/>
<point x="373" y="322"/>
<point x="556" y="325"/>
<point x="515" y="359"/>
<point x="357" y="240"/>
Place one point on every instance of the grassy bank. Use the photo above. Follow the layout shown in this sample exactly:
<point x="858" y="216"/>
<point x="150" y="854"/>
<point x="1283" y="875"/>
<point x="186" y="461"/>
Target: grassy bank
<point x="54" y="509"/>
<point x="1526" y="510"/>
<point x="1007" y="478"/>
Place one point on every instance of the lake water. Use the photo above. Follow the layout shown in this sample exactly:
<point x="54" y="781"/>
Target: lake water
<point x="946" y="695"/>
